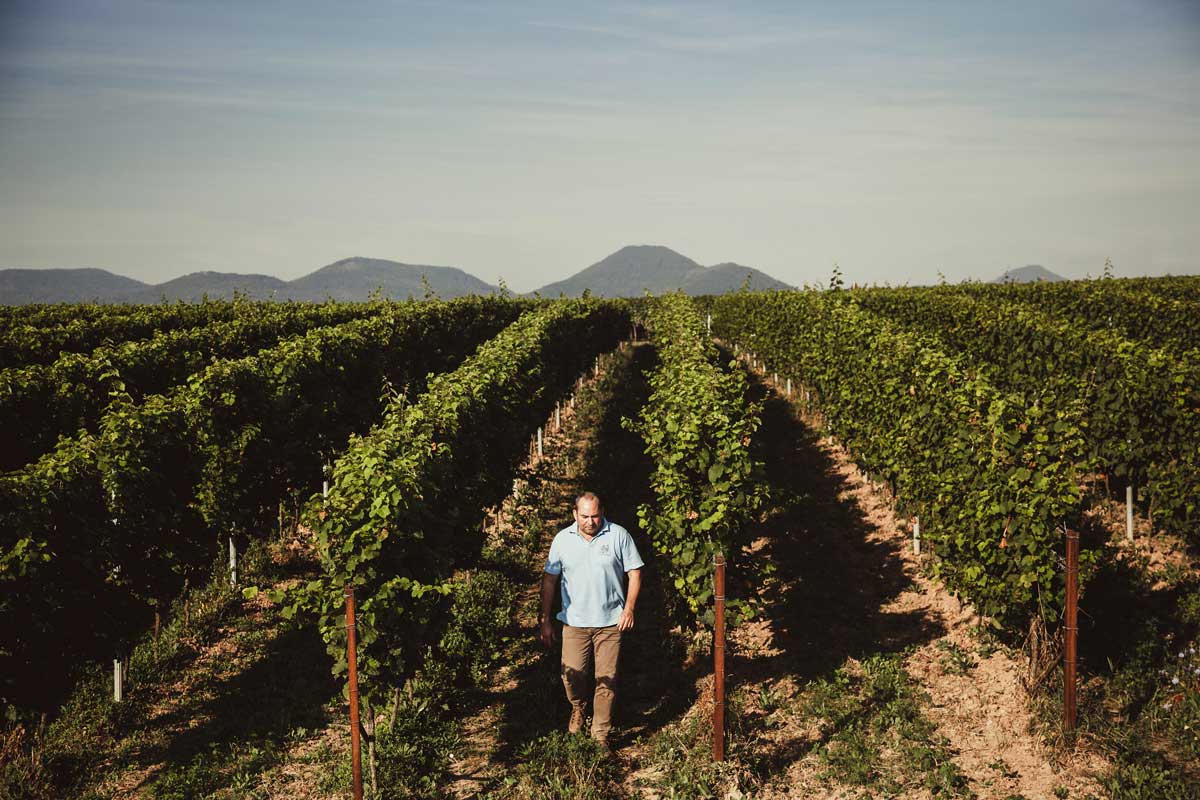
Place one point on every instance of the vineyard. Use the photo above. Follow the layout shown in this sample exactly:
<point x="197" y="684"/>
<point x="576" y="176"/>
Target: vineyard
<point x="189" y="490"/>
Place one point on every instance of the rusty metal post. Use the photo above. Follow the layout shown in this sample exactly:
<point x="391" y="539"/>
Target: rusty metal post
<point x="1071" y="631"/>
<point x="1129" y="512"/>
<point x="352" y="658"/>
<point x="719" y="661"/>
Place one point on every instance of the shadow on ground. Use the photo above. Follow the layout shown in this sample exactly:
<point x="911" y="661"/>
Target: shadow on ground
<point x="826" y="601"/>
<point x="250" y="709"/>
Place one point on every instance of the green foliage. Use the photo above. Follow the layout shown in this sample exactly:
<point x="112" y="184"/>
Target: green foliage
<point x="41" y="402"/>
<point x="97" y="532"/>
<point x="992" y="477"/>
<point x="874" y="733"/>
<point x="412" y="758"/>
<point x="1160" y="312"/>
<point x="87" y="727"/>
<point x="1141" y="404"/>
<point x="478" y="621"/>
<point x="562" y="766"/>
<point x="39" y="334"/>
<point x="1148" y="777"/>
<point x="954" y="659"/>
<point x="404" y="508"/>
<point x="680" y="758"/>
<point x="698" y="426"/>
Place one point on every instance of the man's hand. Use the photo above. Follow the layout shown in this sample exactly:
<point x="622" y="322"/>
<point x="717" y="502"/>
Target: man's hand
<point x="626" y="620"/>
<point x="547" y="633"/>
<point x="549" y="586"/>
<point x="635" y="588"/>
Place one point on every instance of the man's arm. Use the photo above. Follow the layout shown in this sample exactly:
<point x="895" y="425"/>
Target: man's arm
<point x="549" y="586"/>
<point x="631" y="596"/>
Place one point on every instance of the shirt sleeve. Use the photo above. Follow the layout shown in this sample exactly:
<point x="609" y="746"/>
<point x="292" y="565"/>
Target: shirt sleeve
<point x="630" y="557"/>
<point x="554" y="560"/>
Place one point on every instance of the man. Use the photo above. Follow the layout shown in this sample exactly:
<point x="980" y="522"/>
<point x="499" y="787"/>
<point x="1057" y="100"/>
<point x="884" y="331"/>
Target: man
<point x="594" y="557"/>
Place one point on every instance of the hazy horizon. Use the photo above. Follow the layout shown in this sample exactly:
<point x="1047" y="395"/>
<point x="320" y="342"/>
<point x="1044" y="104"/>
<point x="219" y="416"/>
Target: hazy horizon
<point x="528" y="140"/>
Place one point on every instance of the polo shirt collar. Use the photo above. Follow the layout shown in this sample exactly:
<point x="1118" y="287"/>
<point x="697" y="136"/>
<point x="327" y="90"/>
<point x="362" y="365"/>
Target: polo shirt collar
<point x="604" y="526"/>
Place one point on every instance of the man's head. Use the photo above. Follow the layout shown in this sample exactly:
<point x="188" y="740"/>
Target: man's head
<point x="589" y="512"/>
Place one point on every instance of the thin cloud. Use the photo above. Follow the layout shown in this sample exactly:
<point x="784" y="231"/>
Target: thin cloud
<point x="715" y="43"/>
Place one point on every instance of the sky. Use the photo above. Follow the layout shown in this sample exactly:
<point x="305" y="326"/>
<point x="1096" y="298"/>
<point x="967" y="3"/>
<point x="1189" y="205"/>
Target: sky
<point x="527" y="140"/>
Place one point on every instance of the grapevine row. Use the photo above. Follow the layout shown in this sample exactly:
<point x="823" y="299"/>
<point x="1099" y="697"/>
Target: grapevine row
<point x="1143" y="403"/>
<point x="31" y="338"/>
<point x="697" y="426"/>
<point x="991" y="477"/>
<point x="41" y="402"/>
<point x="404" y="511"/>
<point x="107" y="526"/>
<point x="1168" y="321"/>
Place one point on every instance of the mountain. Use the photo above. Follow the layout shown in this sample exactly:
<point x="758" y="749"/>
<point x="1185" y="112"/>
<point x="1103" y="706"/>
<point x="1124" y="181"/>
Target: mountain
<point x="633" y="270"/>
<point x="22" y="286"/>
<point x="729" y="277"/>
<point x="629" y="272"/>
<point x="356" y="278"/>
<point x="348" y="279"/>
<point x="1028" y="274"/>
<point x="195" y="286"/>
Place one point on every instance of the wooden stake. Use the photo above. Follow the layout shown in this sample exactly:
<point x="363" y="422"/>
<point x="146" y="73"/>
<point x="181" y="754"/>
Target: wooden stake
<point x="719" y="660"/>
<point x="916" y="536"/>
<point x="539" y="442"/>
<point x="1129" y="512"/>
<point x="1071" y="630"/>
<point x="352" y="659"/>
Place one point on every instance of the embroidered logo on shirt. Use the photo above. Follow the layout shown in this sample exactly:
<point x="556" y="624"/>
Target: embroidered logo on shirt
<point x="604" y="550"/>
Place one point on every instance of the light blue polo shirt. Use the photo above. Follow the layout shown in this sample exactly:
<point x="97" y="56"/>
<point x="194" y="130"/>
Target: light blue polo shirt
<point x="593" y="574"/>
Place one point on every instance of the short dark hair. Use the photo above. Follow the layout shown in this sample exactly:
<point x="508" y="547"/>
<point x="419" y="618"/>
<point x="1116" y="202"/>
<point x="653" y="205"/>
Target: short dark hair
<point x="589" y="496"/>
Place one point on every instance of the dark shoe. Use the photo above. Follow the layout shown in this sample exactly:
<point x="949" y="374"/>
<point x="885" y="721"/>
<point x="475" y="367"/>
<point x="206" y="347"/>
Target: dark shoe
<point x="603" y="745"/>
<point x="576" y="723"/>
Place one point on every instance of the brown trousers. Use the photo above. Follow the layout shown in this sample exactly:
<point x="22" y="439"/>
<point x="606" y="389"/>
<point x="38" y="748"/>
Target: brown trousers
<point x="582" y="649"/>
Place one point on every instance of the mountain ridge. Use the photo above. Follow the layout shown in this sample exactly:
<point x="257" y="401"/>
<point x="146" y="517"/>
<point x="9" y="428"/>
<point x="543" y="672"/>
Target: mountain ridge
<point x="628" y="272"/>
<point x="353" y="279"/>
<point x="1028" y="274"/>
<point x="636" y="269"/>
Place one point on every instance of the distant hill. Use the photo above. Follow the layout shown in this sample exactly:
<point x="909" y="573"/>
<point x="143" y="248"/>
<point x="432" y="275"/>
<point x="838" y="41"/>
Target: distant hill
<point x="629" y="272"/>
<point x="636" y="269"/>
<point x="348" y="279"/>
<point x="195" y="286"/>
<point x="356" y="278"/>
<point x="23" y="286"/>
<point x="1028" y="274"/>
<point x="729" y="277"/>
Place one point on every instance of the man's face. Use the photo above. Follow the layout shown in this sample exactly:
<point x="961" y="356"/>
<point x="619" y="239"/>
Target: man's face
<point x="587" y="517"/>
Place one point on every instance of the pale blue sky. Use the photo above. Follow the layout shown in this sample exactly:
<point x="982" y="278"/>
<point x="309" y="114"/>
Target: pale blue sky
<point x="528" y="140"/>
